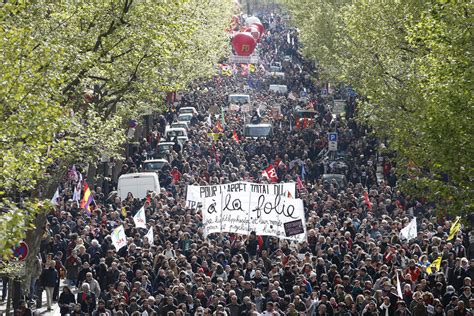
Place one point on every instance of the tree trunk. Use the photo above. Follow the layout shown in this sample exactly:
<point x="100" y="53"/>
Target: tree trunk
<point x="35" y="235"/>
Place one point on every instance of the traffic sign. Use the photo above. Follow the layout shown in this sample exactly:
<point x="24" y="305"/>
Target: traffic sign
<point x="332" y="137"/>
<point x="21" y="251"/>
<point x="332" y="141"/>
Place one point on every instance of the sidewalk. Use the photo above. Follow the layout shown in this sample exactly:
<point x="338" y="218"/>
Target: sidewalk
<point x="39" y="311"/>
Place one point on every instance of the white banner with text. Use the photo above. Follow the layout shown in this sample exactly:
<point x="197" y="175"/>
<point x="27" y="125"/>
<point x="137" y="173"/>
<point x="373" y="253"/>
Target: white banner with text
<point x="243" y="207"/>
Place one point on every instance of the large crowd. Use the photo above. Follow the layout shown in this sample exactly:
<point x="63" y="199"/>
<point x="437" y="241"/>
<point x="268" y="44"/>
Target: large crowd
<point x="353" y="258"/>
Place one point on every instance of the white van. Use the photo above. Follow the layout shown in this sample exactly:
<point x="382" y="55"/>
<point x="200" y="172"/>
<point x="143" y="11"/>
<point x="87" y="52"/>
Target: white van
<point x="238" y="99"/>
<point x="139" y="184"/>
<point x="172" y="132"/>
<point x="278" y="88"/>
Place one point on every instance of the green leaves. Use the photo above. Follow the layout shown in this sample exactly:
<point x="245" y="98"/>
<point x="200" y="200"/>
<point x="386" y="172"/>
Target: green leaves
<point x="73" y="74"/>
<point x="414" y="61"/>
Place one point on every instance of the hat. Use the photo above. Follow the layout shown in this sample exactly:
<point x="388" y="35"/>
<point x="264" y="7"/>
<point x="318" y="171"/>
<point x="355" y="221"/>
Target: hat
<point x="450" y="289"/>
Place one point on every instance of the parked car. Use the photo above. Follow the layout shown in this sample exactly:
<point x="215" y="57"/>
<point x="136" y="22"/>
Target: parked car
<point x="258" y="130"/>
<point x="340" y="179"/>
<point x="172" y="132"/>
<point x="188" y="110"/>
<point x="238" y="99"/>
<point x="155" y="165"/>
<point x="278" y="88"/>
<point x="165" y="148"/>
<point x="186" y="117"/>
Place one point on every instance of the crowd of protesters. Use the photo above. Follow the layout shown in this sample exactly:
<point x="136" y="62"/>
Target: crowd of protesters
<point x="353" y="253"/>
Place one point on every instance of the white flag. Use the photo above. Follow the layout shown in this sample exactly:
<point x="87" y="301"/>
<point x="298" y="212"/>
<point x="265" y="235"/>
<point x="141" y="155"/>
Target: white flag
<point x="140" y="219"/>
<point x="399" y="288"/>
<point x="410" y="231"/>
<point x="149" y="236"/>
<point x="76" y="196"/>
<point x="55" y="198"/>
<point x="119" y="239"/>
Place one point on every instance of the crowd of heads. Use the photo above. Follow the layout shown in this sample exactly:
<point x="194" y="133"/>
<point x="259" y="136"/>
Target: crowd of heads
<point x="350" y="264"/>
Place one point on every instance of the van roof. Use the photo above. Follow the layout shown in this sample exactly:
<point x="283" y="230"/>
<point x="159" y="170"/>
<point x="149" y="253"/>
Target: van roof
<point x="175" y="129"/>
<point x="156" y="160"/>
<point x="139" y="175"/>
<point x="238" y="95"/>
<point x="259" y="125"/>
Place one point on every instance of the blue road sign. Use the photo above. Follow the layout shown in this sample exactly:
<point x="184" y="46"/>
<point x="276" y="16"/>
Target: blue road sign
<point x="332" y="137"/>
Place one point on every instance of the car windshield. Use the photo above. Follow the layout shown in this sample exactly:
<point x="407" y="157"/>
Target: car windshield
<point x="257" y="131"/>
<point x="175" y="133"/>
<point x="185" y="118"/>
<point x="154" y="165"/>
<point x="183" y="111"/>
<point x="165" y="148"/>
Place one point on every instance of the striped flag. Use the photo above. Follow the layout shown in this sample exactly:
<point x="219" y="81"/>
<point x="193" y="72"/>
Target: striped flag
<point x="455" y="227"/>
<point x="87" y="200"/>
<point x="435" y="265"/>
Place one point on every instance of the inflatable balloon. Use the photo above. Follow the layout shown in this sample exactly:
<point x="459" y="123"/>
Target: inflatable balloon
<point x="243" y="44"/>
<point x="251" y="20"/>
<point x="260" y="27"/>
<point x="254" y="31"/>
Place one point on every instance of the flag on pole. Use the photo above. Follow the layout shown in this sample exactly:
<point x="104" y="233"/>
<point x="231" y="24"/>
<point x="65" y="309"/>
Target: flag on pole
<point x="119" y="239"/>
<point x="399" y="287"/>
<point x="87" y="199"/>
<point x="435" y="265"/>
<point x="76" y="196"/>
<point x="140" y="219"/>
<point x="149" y="236"/>
<point x="270" y="173"/>
<point x="410" y="231"/>
<point x="251" y="68"/>
<point x="455" y="228"/>
<point x="299" y="183"/>
<point x="219" y="127"/>
<point x="235" y="136"/>
<point x="55" y="198"/>
<point x="367" y="201"/>
<point x="222" y="116"/>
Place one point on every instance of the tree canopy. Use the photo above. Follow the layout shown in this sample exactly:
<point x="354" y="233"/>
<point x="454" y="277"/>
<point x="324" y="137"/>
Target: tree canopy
<point x="412" y="63"/>
<point x="73" y="73"/>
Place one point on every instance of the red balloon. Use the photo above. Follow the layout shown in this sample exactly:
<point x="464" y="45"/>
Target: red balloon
<point x="243" y="44"/>
<point x="254" y="31"/>
<point x="260" y="27"/>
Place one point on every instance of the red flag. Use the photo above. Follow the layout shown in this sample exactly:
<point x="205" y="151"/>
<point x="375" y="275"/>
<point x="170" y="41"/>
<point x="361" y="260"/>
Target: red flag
<point x="270" y="172"/>
<point x="219" y="127"/>
<point x="299" y="183"/>
<point x="235" y="136"/>
<point x="367" y="201"/>
<point x="260" y="242"/>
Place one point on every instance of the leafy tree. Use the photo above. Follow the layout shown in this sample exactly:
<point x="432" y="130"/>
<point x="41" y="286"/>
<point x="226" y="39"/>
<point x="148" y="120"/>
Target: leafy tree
<point x="73" y="74"/>
<point x="411" y="62"/>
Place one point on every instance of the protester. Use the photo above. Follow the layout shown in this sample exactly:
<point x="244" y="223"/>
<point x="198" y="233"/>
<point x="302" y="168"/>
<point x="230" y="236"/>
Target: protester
<point x="354" y="260"/>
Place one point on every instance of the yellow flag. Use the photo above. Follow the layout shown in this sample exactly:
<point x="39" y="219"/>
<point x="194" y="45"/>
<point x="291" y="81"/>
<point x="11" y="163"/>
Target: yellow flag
<point x="435" y="265"/>
<point x="455" y="227"/>
<point x="251" y="68"/>
<point x="124" y="212"/>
